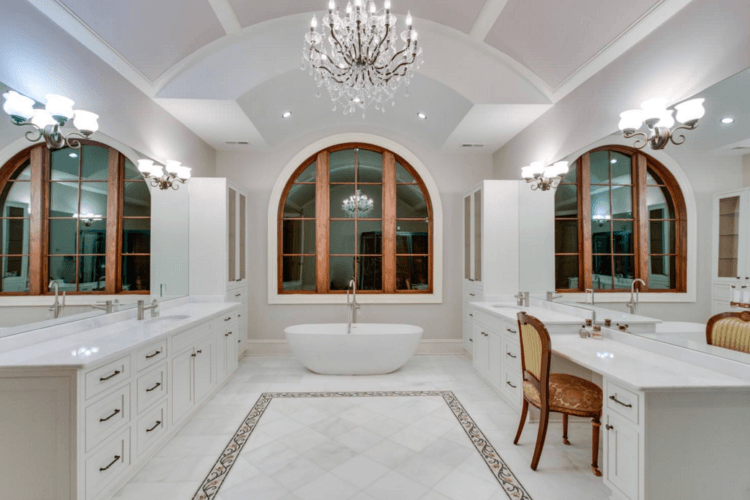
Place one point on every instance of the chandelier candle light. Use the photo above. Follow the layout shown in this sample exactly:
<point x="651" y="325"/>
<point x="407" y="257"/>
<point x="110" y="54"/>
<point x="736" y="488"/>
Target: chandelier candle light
<point x="659" y="122"/>
<point x="545" y="178"/>
<point x="164" y="177"/>
<point x="358" y="204"/>
<point x="49" y="121"/>
<point x="361" y="64"/>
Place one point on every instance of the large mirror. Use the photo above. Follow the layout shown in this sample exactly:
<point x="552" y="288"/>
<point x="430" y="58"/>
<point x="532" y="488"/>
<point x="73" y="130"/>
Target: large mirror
<point x="101" y="233"/>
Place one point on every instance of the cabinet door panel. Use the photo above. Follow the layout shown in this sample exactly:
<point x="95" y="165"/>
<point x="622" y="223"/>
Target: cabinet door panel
<point x="622" y="456"/>
<point x="221" y="354"/>
<point x="182" y="385"/>
<point x="242" y="256"/>
<point x="204" y="376"/>
<point x="233" y="340"/>
<point x="478" y="236"/>
<point x="495" y="358"/>
<point x="481" y="349"/>
<point x="232" y="231"/>
<point x="467" y="238"/>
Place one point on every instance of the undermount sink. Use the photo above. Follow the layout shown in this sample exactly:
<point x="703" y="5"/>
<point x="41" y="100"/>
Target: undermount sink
<point x="176" y="317"/>
<point x="501" y="306"/>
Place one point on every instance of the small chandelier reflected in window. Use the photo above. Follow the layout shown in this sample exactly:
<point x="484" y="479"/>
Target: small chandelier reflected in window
<point x="164" y="177"/>
<point x="358" y="204"/>
<point x="545" y="178"/>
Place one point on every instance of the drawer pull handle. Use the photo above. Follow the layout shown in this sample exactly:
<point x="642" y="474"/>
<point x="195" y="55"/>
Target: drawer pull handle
<point x="237" y="294"/>
<point x="614" y="398"/>
<point x="199" y="351"/>
<point x="228" y="334"/>
<point x="104" y="379"/>
<point x="511" y="331"/>
<point x="193" y="355"/>
<point x="509" y="354"/>
<point x="158" y="384"/>
<point x="239" y="315"/>
<point x="471" y="315"/>
<point x="157" y="424"/>
<point x="107" y="418"/>
<point x="513" y="386"/>
<point x="471" y="340"/>
<point x="113" y="462"/>
<point x="609" y="427"/>
<point x="471" y="294"/>
<point x="149" y="356"/>
<point x="228" y="319"/>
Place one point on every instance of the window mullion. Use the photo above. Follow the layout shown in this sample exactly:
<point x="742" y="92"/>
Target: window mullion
<point x="389" y="223"/>
<point x="322" y="213"/>
<point x="586" y="252"/>
<point x="115" y="187"/>
<point x="39" y="161"/>
<point x="640" y="201"/>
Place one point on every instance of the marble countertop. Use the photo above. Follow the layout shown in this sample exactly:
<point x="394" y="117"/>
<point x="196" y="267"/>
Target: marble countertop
<point x="509" y="311"/>
<point x="98" y="344"/>
<point x="640" y="369"/>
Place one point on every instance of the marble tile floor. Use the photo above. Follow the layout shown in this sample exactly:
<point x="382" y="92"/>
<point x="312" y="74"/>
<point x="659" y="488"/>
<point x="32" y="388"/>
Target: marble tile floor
<point x="364" y="449"/>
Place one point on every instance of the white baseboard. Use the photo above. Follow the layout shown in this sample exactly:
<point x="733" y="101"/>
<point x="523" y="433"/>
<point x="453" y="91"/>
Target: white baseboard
<point x="260" y="347"/>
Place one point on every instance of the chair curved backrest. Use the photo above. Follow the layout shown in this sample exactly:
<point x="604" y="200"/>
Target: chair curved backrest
<point x="535" y="353"/>
<point x="730" y="331"/>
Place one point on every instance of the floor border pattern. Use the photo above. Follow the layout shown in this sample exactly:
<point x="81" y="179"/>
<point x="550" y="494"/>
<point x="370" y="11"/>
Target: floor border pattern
<point x="508" y="481"/>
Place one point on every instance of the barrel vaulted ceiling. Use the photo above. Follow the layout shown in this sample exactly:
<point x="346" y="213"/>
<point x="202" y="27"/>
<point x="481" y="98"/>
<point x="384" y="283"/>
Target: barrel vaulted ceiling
<point x="226" y="67"/>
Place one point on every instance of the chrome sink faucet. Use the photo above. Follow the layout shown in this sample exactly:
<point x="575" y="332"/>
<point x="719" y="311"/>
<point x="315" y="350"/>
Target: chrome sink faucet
<point x="142" y="308"/>
<point x="353" y="306"/>
<point x="108" y="306"/>
<point x="56" y="308"/>
<point x="522" y="299"/>
<point x="634" y="296"/>
<point x="551" y="296"/>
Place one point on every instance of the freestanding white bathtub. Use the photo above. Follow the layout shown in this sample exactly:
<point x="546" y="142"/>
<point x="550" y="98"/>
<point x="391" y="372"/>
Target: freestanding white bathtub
<point x="371" y="349"/>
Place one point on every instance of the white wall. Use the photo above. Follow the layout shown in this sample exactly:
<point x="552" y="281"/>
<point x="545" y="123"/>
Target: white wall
<point x="257" y="172"/>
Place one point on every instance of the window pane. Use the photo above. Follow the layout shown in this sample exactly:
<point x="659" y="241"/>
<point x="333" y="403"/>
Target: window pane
<point x="370" y="166"/>
<point x="624" y="271"/>
<point x="374" y="193"/>
<point x="600" y="201"/>
<point x="412" y="237"/>
<point x="403" y="175"/>
<point x="622" y="236"/>
<point x="369" y="237"/>
<point x="572" y="175"/>
<point x="63" y="270"/>
<point x="94" y="199"/>
<point x="600" y="236"/>
<point x="298" y="273"/>
<point x="23" y="173"/>
<point x="661" y="237"/>
<point x="410" y="202"/>
<point x="599" y="167"/>
<point x="14" y="236"/>
<point x="412" y="273"/>
<point x="341" y="239"/>
<point x="300" y="202"/>
<point x="343" y="201"/>
<point x="64" y="164"/>
<point x="653" y="178"/>
<point x="63" y="199"/>
<point x="566" y="272"/>
<point x="14" y="274"/>
<point x="93" y="236"/>
<point x="342" y="164"/>
<point x="15" y="200"/>
<point x="91" y="270"/>
<point x="601" y="278"/>
<point x="370" y="273"/>
<point x="298" y="236"/>
<point x="307" y="175"/>
<point x="622" y="170"/>
<point x="136" y="235"/>
<point x="62" y="236"/>
<point x="131" y="171"/>
<point x="659" y="203"/>
<point x="137" y="202"/>
<point x="661" y="272"/>
<point x="622" y="202"/>
<point x="136" y="272"/>
<point x="566" y="201"/>
<point x="566" y="237"/>
<point x="95" y="163"/>
<point x="342" y="272"/>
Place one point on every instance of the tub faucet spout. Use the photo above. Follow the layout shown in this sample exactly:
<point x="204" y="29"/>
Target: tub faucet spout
<point x="353" y="305"/>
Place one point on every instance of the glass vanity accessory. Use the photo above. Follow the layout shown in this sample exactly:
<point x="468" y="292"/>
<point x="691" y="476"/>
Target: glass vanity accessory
<point x="596" y="332"/>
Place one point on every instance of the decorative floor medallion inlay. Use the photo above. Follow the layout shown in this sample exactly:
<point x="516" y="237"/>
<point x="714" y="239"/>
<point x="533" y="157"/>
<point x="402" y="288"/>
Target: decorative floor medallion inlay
<point x="209" y="489"/>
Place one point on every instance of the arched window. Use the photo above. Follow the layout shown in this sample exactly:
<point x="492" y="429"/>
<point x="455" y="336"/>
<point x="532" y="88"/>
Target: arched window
<point x="79" y="217"/>
<point x="620" y="216"/>
<point x="355" y="211"/>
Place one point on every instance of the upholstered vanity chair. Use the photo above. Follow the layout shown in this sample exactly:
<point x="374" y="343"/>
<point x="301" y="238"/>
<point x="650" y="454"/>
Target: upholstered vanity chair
<point x="553" y="392"/>
<point x="730" y="331"/>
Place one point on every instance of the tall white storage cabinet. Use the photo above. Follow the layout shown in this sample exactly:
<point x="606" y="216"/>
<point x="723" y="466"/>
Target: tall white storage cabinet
<point x="731" y="262"/>
<point x="218" y="245"/>
<point x="508" y="235"/>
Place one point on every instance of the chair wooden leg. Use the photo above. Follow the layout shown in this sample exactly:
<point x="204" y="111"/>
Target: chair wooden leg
<point x="565" y="428"/>
<point x="541" y="436"/>
<point x="595" y="425"/>
<point x="524" y="411"/>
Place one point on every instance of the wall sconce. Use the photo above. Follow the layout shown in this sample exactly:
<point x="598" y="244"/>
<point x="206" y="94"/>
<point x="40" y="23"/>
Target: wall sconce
<point x="49" y="121"/>
<point x="601" y="219"/>
<point x="164" y="177"/>
<point x="659" y="122"/>
<point x="544" y="178"/>
<point x="88" y="219"/>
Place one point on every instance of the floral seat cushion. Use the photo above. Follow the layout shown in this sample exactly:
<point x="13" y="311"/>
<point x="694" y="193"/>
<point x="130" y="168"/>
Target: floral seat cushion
<point x="568" y="394"/>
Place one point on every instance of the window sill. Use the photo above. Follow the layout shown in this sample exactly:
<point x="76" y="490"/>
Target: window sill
<point x="394" y="298"/>
<point x="623" y="297"/>
<point x="70" y="300"/>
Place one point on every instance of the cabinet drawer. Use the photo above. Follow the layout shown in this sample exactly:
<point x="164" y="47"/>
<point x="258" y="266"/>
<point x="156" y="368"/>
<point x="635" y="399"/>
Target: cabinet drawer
<point x="151" y="387"/>
<point x="151" y="355"/>
<point x="150" y="427"/>
<point x="622" y="401"/>
<point x="237" y="295"/>
<point x="512" y="355"/>
<point x="104" y="417"/>
<point x="107" y="464"/>
<point x="189" y="337"/>
<point x="512" y="387"/>
<point x="510" y="330"/>
<point x="473" y="295"/>
<point x="100" y="379"/>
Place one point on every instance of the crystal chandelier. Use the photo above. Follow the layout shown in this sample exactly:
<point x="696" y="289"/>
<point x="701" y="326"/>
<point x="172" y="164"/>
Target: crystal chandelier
<point x="361" y="64"/>
<point x="358" y="204"/>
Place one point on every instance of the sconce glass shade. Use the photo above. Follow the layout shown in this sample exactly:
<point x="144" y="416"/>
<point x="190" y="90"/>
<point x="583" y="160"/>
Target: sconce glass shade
<point x="145" y="166"/>
<point x="537" y="167"/>
<point x="173" y="167"/>
<point x="690" y="111"/>
<point x="42" y="118"/>
<point x="157" y="171"/>
<point x="183" y="173"/>
<point x="561" y="168"/>
<point x="631" y="120"/>
<point x="86" y="121"/>
<point x="666" y="120"/>
<point x="526" y="173"/>
<point x="19" y="107"/>
<point x="653" y="109"/>
<point x="59" y="107"/>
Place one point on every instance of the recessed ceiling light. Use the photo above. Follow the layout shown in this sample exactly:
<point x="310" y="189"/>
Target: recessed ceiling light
<point x="727" y="120"/>
<point x="614" y="160"/>
<point x="73" y="155"/>
<point x="422" y="116"/>
<point x="286" y="114"/>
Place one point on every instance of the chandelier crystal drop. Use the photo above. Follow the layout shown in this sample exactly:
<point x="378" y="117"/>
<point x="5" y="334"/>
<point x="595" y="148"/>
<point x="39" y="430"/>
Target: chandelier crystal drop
<point x="361" y="64"/>
<point x="358" y="204"/>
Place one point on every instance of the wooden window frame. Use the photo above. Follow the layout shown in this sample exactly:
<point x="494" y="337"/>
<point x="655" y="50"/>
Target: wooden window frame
<point x="322" y="220"/>
<point x="38" y="157"/>
<point x="642" y="164"/>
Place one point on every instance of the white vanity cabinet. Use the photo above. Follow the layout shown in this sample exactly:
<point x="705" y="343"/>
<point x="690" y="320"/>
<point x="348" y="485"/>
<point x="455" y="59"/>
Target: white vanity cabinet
<point x="731" y="262"/>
